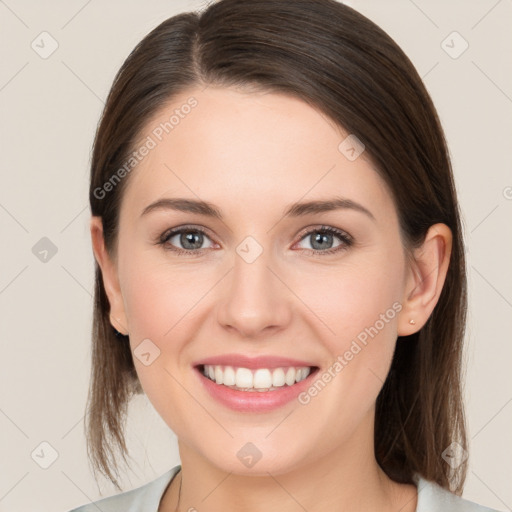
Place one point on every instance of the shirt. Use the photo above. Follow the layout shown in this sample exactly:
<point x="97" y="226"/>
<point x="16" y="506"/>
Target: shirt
<point x="431" y="498"/>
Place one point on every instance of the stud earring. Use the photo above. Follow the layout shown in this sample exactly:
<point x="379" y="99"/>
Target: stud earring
<point x="411" y="321"/>
<point x="119" y="334"/>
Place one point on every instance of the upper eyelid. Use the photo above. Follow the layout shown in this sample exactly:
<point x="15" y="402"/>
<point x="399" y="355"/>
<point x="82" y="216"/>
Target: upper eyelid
<point x="177" y="230"/>
<point x="323" y="227"/>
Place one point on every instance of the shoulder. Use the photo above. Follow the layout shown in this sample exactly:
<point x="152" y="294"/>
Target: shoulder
<point x="434" y="498"/>
<point x="145" y="498"/>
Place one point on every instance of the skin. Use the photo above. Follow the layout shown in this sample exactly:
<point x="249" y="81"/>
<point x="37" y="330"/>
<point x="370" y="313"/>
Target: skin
<point x="252" y="155"/>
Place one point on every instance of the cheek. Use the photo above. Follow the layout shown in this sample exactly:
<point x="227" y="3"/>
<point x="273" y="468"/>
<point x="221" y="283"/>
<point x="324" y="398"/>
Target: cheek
<point x="359" y="306"/>
<point x="359" y="294"/>
<point x="160" y="298"/>
<point x="160" y="304"/>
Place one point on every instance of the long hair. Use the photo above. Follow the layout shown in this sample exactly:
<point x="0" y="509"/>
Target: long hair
<point x="340" y="62"/>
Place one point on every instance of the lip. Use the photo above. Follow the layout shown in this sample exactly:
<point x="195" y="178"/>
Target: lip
<point x="254" y="401"/>
<point x="243" y="361"/>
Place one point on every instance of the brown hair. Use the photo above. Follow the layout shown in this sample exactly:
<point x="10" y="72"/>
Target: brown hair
<point x="341" y="63"/>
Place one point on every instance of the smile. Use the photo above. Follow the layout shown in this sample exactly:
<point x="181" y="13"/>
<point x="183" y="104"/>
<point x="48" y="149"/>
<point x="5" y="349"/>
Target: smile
<point x="254" y="390"/>
<point x="259" y="380"/>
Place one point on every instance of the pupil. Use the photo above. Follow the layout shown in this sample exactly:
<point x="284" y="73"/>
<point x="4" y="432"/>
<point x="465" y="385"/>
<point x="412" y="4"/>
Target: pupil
<point x="189" y="237"/>
<point x="319" y="237"/>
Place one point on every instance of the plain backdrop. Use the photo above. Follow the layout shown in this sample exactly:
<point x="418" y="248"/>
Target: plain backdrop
<point x="49" y="108"/>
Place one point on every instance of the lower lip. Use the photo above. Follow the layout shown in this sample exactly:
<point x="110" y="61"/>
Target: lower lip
<point x="254" y="401"/>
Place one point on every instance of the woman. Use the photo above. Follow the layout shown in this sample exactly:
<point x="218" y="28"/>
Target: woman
<point x="233" y="145"/>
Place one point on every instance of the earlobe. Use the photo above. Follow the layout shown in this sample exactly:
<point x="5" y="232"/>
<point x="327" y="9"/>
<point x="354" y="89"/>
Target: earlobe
<point x="110" y="276"/>
<point x="425" y="279"/>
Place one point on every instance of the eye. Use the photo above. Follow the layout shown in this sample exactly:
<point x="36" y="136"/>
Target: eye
<point x="322" y="240"/>
<point x="190" y="238"/>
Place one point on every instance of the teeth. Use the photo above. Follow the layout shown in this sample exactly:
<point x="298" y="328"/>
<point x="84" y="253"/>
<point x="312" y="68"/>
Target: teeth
<point x="243" y="377"/>
<point x="278" y="378"/>
<point x="262" y="379"/>
<point x="291" y="375"/>
<point x="229" y="378"/>
<point x="219" y="376"/>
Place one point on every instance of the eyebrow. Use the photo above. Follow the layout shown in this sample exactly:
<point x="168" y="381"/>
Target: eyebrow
<point x="294" y="210"/>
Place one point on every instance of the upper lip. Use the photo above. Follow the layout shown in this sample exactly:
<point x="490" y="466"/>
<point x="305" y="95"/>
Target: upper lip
<point x="243" y="361"/>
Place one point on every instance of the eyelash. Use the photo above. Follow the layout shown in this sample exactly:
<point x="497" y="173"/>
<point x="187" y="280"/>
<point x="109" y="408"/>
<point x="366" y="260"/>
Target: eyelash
<point x="347" y="240"/>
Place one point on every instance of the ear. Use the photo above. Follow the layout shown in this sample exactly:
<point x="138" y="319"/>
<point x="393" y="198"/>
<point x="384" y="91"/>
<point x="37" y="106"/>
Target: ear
<point x="110" y="278"/>
<point x="426" y="275"/>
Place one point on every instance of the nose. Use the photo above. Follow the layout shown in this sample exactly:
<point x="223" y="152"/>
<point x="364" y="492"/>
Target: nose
<point x="254" y="298"/>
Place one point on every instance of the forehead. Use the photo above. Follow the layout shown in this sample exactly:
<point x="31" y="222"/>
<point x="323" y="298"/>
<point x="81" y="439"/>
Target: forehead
<point x="254" y="149"/>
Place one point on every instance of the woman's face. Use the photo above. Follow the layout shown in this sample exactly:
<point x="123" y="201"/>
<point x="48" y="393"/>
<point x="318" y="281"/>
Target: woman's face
<point x="260" y="281"/>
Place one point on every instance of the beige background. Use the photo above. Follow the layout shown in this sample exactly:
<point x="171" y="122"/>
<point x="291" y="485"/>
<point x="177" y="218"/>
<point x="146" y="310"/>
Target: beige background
<point x="49" y="110"/>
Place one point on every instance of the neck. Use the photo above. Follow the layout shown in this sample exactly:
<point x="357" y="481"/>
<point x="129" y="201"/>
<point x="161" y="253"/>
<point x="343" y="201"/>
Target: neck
<point x="347" y="478"/>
